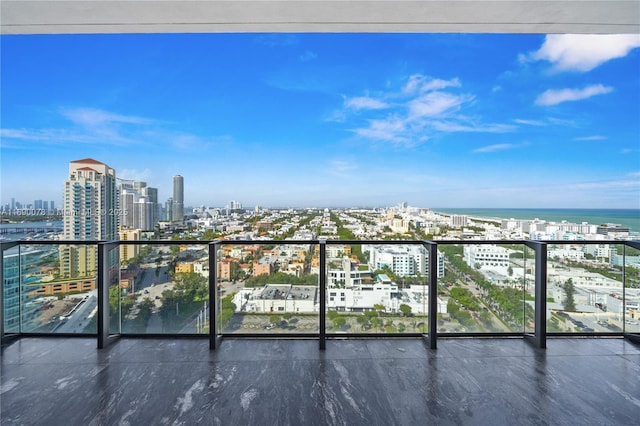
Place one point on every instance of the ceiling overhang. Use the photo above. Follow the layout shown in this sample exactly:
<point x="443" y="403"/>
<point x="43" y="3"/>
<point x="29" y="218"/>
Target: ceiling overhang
<point x="177" y="16"/>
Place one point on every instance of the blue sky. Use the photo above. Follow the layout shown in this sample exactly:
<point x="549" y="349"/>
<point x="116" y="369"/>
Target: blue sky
<point x="437" y="120"/>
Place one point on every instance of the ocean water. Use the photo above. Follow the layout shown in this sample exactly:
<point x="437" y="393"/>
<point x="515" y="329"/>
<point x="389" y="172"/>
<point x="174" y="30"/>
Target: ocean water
<point x="624" y="217"/>
<point x="19" y="234"/>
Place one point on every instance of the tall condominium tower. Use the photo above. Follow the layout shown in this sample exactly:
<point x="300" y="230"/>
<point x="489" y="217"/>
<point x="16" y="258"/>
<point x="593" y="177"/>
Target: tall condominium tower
<point x="89" y="214"/>
<point x="138" y="205"/>
<point x="178" y="198"/>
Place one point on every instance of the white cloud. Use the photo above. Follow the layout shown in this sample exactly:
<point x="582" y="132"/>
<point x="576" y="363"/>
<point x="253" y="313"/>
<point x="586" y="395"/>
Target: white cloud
<point x="308" y="55"/>
<point x="450" y="127"/>
<point x="341" y="168"/>
<point x="97" y="117"/>
<point x="62" y="136"/>
<point x="554" y="97"/>
<point x="391" y="129"/>
<point x="419" y="83"/>
<point x="584" y="52"/>
<point x="495" y="147"/>
<point x="530" y="122"/>
<point x="609" y="185"/>
<point x="365" y="102"/>
<point x="436" y="104"/>
<point x="422" y="107"/>
<point x="135" y="174"/>
<point x="591" y="138"/>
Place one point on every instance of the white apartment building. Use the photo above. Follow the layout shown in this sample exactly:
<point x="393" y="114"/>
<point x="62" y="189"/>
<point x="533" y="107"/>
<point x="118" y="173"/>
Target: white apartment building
<point x="487" y="256"/>
<point x="348" y="277"/>
<point x="139" y="208"/>
<point x="404" y="261"/>
<point x="278" y="298"/>
<point x="598" y="250"/>
<point x="616" y="259"/>
<point x="629" y="305"/>
<point x="362" y="298"/>
<point x="565" y="253"/>
<point x="458" y="221"/>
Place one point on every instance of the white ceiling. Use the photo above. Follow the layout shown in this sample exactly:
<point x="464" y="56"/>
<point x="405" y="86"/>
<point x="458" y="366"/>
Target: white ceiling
<point x="483" y="16"/>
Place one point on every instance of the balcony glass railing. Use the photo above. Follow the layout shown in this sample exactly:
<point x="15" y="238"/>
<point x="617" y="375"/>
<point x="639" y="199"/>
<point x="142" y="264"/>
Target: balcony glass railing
<point x="50" y="288"/>
<point x="487" y="288"/>
<point x="268" y="288"/>
<point x="592" y="289"/>
<point x="321" y="288"/>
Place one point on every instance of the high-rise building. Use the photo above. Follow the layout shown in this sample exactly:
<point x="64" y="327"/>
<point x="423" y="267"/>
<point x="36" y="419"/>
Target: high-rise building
<point x="151" y="194"/>
<point x="168" y="209"/>
<point x="178" y="199"/>
<point x="138" y="205"/>
<point x="89" y="214"/>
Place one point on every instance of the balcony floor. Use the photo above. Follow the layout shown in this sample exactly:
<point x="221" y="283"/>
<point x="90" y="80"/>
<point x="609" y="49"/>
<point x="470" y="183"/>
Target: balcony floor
<point x="354" y="382"/>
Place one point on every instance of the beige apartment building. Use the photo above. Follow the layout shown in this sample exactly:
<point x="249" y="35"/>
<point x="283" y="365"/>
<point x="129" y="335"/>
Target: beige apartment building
<point x="90" y="213"/>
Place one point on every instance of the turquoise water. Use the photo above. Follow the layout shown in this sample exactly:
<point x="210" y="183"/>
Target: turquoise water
<point x="624" y="217"/>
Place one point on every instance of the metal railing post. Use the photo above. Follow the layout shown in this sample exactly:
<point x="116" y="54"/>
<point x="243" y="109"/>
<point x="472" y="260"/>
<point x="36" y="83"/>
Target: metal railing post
<point x="432" y="318"/>
<point x="323" y="295"/>
<point x="104" y="338"/>
<point x="634" y="337"/>
<point x="539" y="339"/>
<point x="214" y="337"/>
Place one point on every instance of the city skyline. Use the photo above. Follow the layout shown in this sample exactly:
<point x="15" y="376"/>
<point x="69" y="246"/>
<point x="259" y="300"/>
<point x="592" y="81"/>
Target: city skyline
<point x="438" y="120"/>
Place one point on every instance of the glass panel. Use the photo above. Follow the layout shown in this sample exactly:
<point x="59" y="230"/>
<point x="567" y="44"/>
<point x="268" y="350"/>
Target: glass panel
<point x="377" y="288"/>
<point x="116" y="291"/>
<point x="632" y="287"/>
<point x="528" y="277"/>
<point x="483" y="289"/>
<point x="164" y="288"/>
<point x="268" y="288"/>
<point x="585" y="288"/>
<point x="58" y="288"/>
<point x="11" y="289"/>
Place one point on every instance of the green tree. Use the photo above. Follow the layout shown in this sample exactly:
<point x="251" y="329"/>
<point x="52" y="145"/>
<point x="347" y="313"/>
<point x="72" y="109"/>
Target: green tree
<point x="362" y="320"/>
<point x="569" y="291"/>
<point x="339" y="321"/>
<point x="275" y="319"/>
<point x="405" y="309"/>
<point x="146" y="308"/>
<point x="452" y="307"/>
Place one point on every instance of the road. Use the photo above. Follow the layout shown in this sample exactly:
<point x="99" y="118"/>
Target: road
<point x="81" y="315"/>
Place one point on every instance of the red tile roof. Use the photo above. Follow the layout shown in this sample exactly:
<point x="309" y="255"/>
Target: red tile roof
<point x="88" y="161"/>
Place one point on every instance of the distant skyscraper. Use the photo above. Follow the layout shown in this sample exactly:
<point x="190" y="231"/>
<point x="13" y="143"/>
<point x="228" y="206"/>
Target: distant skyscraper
<point x="168" y="209"/>
<point x="138" y="205"/>
<point x="151" y="194"/>
<point x="89" y="214"/>
<point x="178" y="199"/>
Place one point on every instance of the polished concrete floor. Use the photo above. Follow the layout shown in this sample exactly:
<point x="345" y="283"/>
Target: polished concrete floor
<point x="65" y="381"/>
